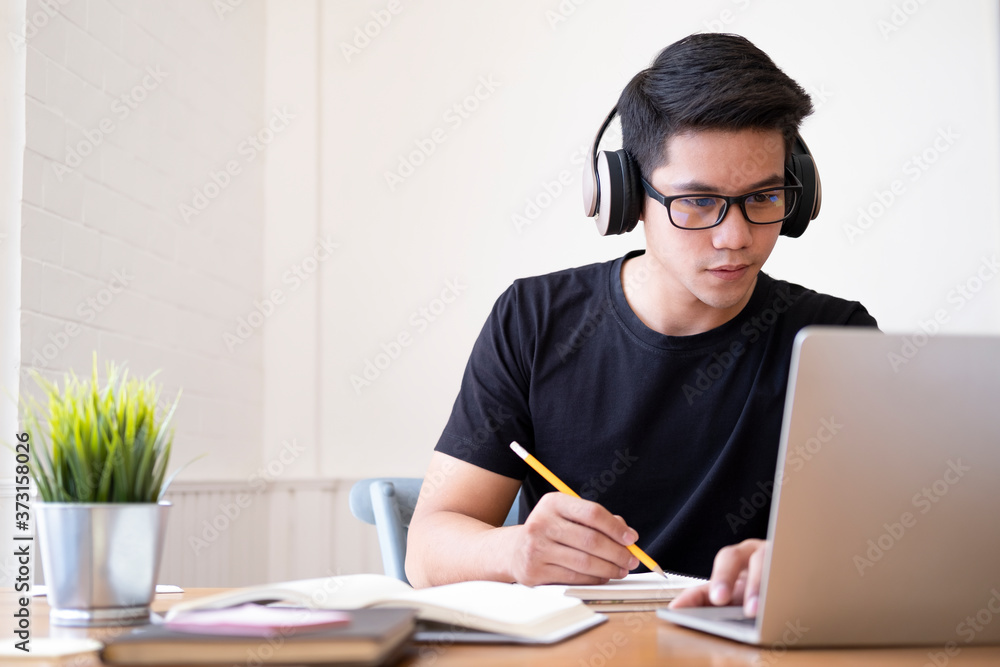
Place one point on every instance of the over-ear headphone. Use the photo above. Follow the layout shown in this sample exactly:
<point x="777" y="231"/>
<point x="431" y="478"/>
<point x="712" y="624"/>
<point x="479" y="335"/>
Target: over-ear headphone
<point x="612" y="189"/>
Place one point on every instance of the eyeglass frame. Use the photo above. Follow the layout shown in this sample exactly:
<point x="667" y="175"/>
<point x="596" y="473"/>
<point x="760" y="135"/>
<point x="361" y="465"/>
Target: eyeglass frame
<point x="739" y="200"/>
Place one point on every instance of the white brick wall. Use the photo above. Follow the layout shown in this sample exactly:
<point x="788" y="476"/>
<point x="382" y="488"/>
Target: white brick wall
<point x="131" y="104"/>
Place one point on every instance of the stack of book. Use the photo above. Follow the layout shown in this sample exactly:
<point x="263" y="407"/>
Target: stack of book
<point x="378" y="615"/>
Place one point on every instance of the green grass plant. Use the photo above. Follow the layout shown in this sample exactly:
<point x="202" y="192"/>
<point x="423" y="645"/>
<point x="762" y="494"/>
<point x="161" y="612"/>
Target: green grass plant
<point x="94" y="443"/>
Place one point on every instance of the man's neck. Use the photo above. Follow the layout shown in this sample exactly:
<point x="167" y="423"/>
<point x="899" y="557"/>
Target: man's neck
<point x="667" y="307"/>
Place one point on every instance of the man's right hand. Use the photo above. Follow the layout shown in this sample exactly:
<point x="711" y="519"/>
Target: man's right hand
<point x="455" y="533"/>
<point x="735" y="579"/>
<point x="569" y="540"/>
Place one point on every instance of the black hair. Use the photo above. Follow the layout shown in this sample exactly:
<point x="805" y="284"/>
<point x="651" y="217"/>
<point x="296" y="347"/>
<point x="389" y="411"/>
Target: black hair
<point x="707" y="81"/>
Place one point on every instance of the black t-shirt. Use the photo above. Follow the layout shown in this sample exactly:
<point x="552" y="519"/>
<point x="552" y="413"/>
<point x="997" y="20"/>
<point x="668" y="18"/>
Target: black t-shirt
<point x="677" y="434"/>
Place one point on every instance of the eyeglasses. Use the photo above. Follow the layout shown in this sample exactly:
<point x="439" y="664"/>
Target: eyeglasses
<point x="703" y="211"/>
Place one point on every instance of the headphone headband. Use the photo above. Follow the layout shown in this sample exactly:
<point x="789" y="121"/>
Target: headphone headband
<point x="591" y="193"/>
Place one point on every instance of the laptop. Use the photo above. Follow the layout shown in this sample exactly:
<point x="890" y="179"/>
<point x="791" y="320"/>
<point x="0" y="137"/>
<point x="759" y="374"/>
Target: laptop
<point x="885" y="520"/>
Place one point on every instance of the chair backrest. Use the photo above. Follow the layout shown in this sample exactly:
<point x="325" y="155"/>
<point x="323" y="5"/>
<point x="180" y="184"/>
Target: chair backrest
<point x="388" y="502"/>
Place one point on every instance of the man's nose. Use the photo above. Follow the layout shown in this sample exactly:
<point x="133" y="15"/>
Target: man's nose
<point x="734" y="230"/>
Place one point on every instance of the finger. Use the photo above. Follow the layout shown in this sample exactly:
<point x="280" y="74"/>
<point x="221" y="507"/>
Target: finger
<point x="588" y="513"/>
<point x="739" y="588"/>
<point x="751" y="596"/>
<point x="696" y="596"/>
<point x="583" y="562"/>
<point x="590" y="551"/>
<point x="557" y="574"/>
<point x="729" y="563"/>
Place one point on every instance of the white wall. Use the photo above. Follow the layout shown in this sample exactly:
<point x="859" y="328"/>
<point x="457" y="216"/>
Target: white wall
<point x="132" y="108"/>
<point x="148" y="127"/>
<point x="12" y="74"/>
<point x="882" y="95"/>
<point x="295" y="252"/>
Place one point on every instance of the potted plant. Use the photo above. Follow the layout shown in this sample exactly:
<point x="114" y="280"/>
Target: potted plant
<point x="99" y="455"/>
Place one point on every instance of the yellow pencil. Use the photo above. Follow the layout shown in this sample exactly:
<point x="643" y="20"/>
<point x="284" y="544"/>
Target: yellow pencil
<point x="561" y="486"/>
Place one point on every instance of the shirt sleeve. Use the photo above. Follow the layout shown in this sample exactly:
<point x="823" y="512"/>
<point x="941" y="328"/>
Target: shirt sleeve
<point x="492" y="405"/>
<point x="860" y="317"/>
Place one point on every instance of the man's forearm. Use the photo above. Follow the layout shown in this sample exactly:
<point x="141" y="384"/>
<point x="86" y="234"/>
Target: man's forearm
<point x="445" y="547"/>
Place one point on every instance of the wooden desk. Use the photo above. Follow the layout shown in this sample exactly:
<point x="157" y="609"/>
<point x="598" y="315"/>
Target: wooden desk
<point x="630" y="639"/>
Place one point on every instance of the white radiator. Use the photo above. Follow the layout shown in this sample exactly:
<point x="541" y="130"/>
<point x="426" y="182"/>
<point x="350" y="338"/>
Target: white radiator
<point x="231" y="534"/>
<point x="223" y="534"/>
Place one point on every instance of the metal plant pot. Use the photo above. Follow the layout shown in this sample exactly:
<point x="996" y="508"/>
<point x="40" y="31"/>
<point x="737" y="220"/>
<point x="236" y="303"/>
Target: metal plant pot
<point x="101" y="560"/>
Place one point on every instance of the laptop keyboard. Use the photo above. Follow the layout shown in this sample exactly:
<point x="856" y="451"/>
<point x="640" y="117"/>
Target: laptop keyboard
<point x="749" y="622"/>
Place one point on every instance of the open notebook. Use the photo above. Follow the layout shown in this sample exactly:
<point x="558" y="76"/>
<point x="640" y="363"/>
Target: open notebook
<point x="470" y="611"/>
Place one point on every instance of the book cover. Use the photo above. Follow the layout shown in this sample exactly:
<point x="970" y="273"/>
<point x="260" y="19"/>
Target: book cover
<point x="372" y="637"/>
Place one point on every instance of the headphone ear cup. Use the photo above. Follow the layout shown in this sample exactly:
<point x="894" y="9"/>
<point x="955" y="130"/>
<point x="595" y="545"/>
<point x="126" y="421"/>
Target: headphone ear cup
<point x="635" y="195"/>
<point x="802" y="165"/>
<point x="618" y="186"/>
<point x="609" y="193"/>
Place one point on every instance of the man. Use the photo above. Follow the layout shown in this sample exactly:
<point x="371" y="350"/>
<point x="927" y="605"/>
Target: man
<point x="654" y="384"/>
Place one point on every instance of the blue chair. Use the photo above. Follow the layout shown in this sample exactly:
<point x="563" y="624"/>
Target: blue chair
<point x="388" y="502"/>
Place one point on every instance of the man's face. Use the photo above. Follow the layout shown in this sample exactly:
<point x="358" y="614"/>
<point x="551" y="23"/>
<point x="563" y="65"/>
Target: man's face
<point x="717" y="266"/>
